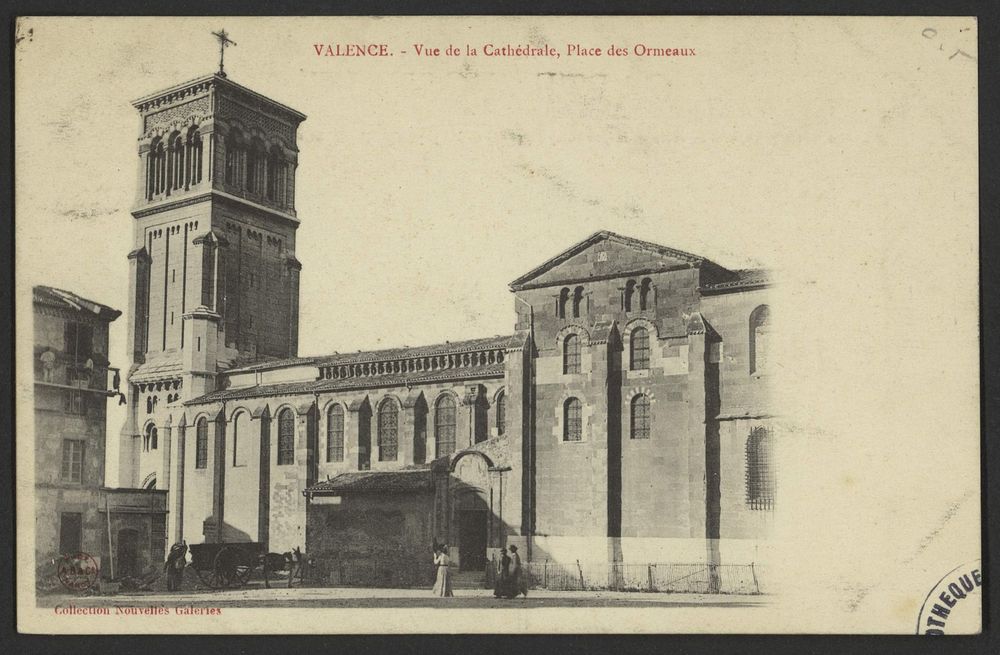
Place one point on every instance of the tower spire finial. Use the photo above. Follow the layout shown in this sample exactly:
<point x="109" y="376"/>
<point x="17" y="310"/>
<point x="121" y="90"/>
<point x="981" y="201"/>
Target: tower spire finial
<point x="224" y="41"/>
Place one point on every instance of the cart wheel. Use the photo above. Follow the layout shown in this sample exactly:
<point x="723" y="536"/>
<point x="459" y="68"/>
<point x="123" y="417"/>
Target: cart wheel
<point x="242" y="574"/>
<point x="232" y="567"/>
<point x="207" y="578"/>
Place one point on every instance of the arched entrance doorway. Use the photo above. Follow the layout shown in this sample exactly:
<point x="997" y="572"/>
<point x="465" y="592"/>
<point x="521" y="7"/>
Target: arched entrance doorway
<point x="472" y="518"/>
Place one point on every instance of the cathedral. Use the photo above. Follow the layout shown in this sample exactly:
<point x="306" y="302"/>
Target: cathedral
<point x="625" y="416"/>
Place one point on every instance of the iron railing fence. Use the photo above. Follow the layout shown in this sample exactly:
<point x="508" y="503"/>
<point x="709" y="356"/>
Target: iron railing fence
<point x="618" y="576"/>
<point x="650" y="577"/>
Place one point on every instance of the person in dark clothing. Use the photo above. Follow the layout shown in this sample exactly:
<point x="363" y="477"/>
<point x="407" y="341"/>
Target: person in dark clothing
<point x="502" y="587"/>
<point x="174" y="566"/>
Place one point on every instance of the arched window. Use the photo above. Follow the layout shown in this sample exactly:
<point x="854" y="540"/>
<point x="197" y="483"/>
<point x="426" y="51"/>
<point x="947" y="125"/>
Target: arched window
<point x="562" y="302"/>
<point x="275" y="176"/>
<point x="256" y="167"/>
<point x="444" y="426"/>
<point x="388" y="431"/>
<point x="759" y="333"/>
<point x="760" y="470"/>
<point x="501" y="405"/>
<point x="201" y="444"/>
<point x="149" y="439"/>
<point x="577" y="302"/>
<point x="193" y="172"/>
<point x="572" y="420"/>
<point x="640" y="417"/>
<point x="286" y="437"/>
<point x="420" y="431"/>
<point x="149" y="404"/>
<point x="175" y="163"/>
<point x="639" y="349"/>
<point x="571" y="354"/>
<point x="151" y="172"/>
<point x="234" y="160"/>
<point x="645" y="294"/>
<point x="628" y="295"/>
<point x="242" y="438"/>
<point x="157" y="169"/>
<point x="335" y="434"/>
<point x="151" y="483"/>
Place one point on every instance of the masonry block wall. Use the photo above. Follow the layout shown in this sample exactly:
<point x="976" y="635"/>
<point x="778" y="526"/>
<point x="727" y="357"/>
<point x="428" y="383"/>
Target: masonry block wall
<point x="198" y="478"/>
<point x="176" y="269"/>
<point x="373" y="540"/>
<point x="258" y="298"/>
<point x="70" y="413"/>
<point x="262" y="499"/>
<point x="242" y="477"/>
<point x="646" y="492"/>
<point x="745" y="405"/>
<point x="214" y="227"/>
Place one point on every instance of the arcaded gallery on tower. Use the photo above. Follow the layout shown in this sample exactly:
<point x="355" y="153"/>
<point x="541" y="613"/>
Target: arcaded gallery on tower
<point x="624" y="419"/>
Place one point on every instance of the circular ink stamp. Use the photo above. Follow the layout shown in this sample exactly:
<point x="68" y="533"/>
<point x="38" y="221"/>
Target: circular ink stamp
<point x="77" y="572"/>
<point x="955" y="604"/>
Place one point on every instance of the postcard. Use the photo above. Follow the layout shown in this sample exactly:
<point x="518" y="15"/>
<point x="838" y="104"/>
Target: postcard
<point x="497" y="324"/>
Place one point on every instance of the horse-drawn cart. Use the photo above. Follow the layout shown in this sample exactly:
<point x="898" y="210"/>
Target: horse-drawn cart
<point x="224" y="565"/>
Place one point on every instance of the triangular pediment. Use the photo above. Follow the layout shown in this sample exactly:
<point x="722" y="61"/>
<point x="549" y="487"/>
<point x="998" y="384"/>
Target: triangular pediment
<point x="604" y="255"/>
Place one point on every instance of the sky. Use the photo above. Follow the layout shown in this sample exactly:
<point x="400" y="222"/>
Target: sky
<point x="841" y="153"/>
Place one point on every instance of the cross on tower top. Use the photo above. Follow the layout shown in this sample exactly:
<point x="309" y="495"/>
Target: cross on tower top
<point x="224" y="41"/>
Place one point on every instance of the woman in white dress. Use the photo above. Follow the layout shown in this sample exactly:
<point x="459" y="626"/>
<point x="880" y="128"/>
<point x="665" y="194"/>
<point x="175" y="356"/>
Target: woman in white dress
<point x="442" y="584"/>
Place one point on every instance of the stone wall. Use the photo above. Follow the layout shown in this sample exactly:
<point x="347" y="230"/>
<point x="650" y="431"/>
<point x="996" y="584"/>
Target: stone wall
<point x="380" y="540"/>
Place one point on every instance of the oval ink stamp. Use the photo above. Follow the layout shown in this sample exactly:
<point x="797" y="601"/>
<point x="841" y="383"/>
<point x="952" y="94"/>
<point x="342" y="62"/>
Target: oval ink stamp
<point x="78" y="572"/>
<point x="954" y="605"/>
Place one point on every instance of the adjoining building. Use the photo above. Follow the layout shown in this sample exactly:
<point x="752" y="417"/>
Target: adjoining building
<point x="73" y="383"/>
<point x="626" y="417"/>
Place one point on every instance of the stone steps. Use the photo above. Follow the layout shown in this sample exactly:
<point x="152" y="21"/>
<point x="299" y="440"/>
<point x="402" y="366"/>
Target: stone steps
<point x="468" y="580"/>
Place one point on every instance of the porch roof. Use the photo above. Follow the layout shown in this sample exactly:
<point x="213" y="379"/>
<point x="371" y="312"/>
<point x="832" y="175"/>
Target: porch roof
<point x="409" y="480"/>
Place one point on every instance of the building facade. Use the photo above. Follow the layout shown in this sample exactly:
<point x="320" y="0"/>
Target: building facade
<point x="626" y="417"/>
<point x="73" y="382"/>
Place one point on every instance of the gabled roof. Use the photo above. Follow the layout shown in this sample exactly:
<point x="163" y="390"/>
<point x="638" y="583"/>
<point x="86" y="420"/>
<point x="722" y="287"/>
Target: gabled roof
<point x="660" y="258"/>
<point x="403" y="481"/>
<point x="42" y="295"/>
<point x="742" y="280"/>
<point x="378" y="381"/>
<point x="387" y="354"/>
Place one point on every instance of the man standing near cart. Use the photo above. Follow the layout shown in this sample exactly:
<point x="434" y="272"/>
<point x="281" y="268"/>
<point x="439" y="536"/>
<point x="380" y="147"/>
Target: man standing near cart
<point x="174" y="566"/>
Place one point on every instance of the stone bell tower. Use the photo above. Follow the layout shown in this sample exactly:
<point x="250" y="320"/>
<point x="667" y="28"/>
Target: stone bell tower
<point x="213" y="277"/>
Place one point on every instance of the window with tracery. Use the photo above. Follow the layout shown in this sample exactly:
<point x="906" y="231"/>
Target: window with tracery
<point x="571" y="354"/>
<point x="388" y="431"/>
<point x="572" y="420"/>
<point x="444" y="426"/>
<point x="286" y="437"/>
<point x="335" y="434"/>
<point x="640" y="418"/>
<point x="201" y="444"/>
<point x="639" y="346"/>
<point x="760" y="470"/>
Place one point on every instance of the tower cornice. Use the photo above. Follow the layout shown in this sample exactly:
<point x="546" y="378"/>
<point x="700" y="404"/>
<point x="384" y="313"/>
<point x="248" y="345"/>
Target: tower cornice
<point x="205" y="84"/>
<point x="208" y="196"/>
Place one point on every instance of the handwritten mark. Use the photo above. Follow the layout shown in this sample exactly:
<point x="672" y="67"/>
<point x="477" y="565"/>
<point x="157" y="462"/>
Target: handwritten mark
<point x="931" y="34"/>
<point x="18" y="37"/>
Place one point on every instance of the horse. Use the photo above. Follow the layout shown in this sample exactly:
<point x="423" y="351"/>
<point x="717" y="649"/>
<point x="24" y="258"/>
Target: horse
<point x="293" y="562"/>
